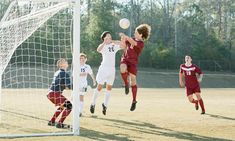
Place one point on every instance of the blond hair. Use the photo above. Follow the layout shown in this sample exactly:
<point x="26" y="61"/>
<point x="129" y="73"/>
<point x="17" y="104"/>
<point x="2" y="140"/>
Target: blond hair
<point x="83" y="54"/>
<point x="60" y="61"/>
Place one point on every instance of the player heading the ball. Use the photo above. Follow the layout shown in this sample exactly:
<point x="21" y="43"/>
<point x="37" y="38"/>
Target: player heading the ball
<point x="129" y="60"/>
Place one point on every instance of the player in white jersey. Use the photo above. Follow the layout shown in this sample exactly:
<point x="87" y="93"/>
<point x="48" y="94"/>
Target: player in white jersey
<point x="106" y="72"/>
<point x="85" y="69"/>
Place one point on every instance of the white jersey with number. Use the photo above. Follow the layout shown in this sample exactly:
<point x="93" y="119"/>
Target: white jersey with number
<point x="106" y="72"/>
<point x="108" y="55"/>
<point x="84" y="71"/>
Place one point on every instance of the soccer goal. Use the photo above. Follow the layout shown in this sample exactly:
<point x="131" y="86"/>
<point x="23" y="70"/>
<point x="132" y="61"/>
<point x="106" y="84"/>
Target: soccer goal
<point x="34" y="34"/>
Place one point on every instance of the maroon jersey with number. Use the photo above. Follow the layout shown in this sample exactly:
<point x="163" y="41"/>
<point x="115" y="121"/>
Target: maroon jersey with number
<point x="190" y="75"/>
<point x="132" y="53"/>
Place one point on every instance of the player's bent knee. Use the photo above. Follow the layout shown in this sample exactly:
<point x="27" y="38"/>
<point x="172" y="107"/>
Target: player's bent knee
<point x="109" y="87"/>
<point x="99" y="87"/>
<point x="123" y="68"/>
<point x="68" y="105"/>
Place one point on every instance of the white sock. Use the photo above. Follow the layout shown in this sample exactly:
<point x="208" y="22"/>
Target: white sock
<point x="106" y="98"/>
<point x="95" y="96"/>
<point x="81" y="106"/>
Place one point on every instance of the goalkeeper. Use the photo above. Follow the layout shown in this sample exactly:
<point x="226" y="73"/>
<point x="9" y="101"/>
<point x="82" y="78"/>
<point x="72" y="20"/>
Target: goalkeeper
<point x="60" y="82"/>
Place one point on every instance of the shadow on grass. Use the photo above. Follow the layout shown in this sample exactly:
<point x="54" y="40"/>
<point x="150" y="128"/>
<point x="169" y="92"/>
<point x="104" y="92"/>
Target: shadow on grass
<point x="146" y="128"/>
<point x="220" y="117"/>
<point x="141" y="127"/>
<point x="101" y="136"/>
<point x="23" y="115"/>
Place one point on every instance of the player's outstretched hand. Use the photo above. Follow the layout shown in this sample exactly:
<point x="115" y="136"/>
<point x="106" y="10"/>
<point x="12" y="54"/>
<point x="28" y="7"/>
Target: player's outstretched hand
<point x="121" y="34"/>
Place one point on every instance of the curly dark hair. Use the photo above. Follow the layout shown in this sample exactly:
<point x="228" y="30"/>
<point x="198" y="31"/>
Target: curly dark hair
<point x="145" y="30"/>
<point x="103" y="35"/>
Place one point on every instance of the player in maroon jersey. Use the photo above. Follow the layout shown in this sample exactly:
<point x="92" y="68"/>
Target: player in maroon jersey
<point x="189" y="71"/>
<point x="129" y="60"/>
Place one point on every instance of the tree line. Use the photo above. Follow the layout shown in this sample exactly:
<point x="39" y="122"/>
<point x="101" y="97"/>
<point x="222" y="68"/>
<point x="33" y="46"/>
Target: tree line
<point x="203" y="29"/>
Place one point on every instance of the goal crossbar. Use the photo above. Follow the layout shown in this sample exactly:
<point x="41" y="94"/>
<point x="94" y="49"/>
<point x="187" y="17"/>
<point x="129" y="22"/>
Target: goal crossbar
<point x="52" y="9"/>
<point x="44" y="15"/>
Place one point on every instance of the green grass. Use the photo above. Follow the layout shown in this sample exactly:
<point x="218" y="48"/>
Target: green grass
<point x="161" y="114"/>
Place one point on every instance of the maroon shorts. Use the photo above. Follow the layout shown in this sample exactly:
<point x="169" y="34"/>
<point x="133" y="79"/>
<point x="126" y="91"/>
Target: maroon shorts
<point x="56" y="97"/>
<point x="131" y="68"/>
<point x="190" y="91"/>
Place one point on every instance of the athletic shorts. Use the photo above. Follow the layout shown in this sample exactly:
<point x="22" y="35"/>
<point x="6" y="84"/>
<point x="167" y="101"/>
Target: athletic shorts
<point x="105" y="75"/>
<point x="82" y="90"/>
<point x="131" y="68"/>
<point x="82" y="87"/>
<point x="56" y="97"/>
<point x="190" y="91"/>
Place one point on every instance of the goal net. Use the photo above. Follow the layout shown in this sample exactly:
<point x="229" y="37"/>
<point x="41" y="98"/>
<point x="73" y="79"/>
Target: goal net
<point x="34" y="34"/>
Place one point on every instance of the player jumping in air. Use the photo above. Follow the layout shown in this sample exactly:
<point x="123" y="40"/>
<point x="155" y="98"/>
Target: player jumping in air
<point x="85" y="69"/>
<point x="60" y="82"/>
<point x="106" y="72"/>
<point x="189" y="71"/>
<point x="129" y="60"/>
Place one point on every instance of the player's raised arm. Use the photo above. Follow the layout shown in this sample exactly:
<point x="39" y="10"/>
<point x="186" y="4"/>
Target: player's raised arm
<point x="119" y="43"/>
<point x="100" y="47"/>
<point x="106" y="40"/>
<point x="129" y="39"/>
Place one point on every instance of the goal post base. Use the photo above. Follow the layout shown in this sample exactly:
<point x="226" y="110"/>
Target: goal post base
<point x="37" y="135"/>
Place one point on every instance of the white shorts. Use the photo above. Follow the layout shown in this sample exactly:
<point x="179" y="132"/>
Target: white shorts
<point x="105" y="74"/>
<point x="82" y="88"/>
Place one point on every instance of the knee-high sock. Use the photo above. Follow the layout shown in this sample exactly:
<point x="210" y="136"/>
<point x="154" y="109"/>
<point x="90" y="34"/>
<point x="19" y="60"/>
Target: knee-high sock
<point x="201" y="105"/>
<point x="95" y="96"/>
<point x="125" y="78"/>
<point x="65" y="113"/>
<point x="106" y="98"/>
<point x="81" y="106"/>
<point x="56" y="114"/>
<point x="194" y="101"/>
<point x="134" y="92"/>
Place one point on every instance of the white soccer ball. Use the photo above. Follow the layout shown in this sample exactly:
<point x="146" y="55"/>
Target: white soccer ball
<point x="124" y="23"/>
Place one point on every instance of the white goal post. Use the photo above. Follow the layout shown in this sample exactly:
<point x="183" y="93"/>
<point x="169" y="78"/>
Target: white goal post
<point x="34" y="34"/>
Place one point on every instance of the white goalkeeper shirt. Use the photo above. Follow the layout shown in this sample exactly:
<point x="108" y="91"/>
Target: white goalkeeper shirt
<point x="84" y="71"/>
<point x="108" y="55"/>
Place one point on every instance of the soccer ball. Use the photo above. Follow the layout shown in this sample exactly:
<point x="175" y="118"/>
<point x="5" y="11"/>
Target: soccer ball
<point x="124" y="23"/>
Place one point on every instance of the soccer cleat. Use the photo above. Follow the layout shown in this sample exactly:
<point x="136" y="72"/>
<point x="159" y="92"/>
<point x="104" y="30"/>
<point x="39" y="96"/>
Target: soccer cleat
<point x="104" y="109"/>
<point x="92" y="109"/>
<point x="60" y="125"/>
<point x="50" y="123"/>
<point x="126" y="89"/>
<point x="133" y="105"/>
<point x="203" y="112"/>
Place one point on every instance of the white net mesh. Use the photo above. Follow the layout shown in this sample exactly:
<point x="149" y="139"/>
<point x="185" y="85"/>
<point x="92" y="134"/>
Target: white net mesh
<point x="34" y="35"/>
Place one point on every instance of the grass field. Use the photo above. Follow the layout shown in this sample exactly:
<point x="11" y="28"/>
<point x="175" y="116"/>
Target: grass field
<point x="161" y="114"/>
